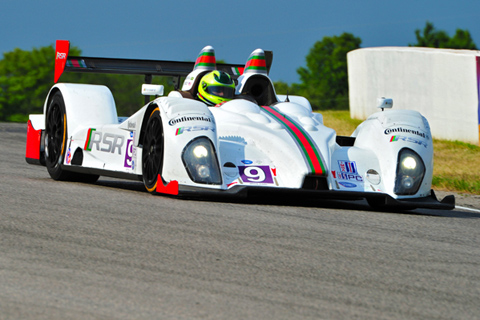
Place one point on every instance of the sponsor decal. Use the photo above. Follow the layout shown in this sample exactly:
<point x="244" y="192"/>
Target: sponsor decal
<point x="87" y="142"/>
<point x="174" y="121"/>
<point x="61" y="55"/>
<point x="347" y="166"/>
<point x="131" y="125"/>
<point x="69" y="156"/>
<point x="188" y="82"/>
<point x="105" y="142"/>
<point x="403" y="130"/>
<point x="408" y="139"/>
<point x="347" y="176"/>
<point x="246" y="161"/>
<point x="347" y="184"/>
<point x="181" y="130"/>
<point x="348" y="171"/>
<point x="128" y="163"/>
<point x="255" y="174"/>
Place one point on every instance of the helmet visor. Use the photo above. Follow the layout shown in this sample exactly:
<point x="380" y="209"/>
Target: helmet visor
<point x="221" y="91"/>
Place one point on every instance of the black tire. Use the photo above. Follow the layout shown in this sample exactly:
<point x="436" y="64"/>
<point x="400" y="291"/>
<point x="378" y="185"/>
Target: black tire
<point x="56" y="138"/>
<point x="152" y="158"/>
<point x="56" y="135"/>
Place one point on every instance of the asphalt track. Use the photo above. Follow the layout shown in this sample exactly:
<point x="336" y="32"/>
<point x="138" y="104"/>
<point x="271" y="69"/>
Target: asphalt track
<point x="112" y="251"/>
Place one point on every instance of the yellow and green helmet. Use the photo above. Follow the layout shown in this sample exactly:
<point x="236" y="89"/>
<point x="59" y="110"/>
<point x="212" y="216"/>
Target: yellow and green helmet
<point x="216" y="87"/>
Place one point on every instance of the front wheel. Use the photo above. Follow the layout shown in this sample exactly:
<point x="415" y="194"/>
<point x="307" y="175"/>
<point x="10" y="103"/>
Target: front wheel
<point x="152" y="158"/>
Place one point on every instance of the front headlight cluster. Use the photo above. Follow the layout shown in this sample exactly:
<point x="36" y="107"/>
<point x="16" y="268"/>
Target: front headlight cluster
<point x="200" y="160"/>
<point x="410" y="172"/>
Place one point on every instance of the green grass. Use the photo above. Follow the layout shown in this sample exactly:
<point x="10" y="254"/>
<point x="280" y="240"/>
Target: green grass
<point x="456" y="164"/>
<point x="340" y="121"/>
<point x="456" y="184"/>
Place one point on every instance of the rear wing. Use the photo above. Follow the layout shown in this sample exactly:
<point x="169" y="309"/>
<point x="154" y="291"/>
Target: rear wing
<point x="148" y="68"/>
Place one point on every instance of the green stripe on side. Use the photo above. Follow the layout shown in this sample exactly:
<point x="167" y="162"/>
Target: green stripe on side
<point x="310" y="151"/>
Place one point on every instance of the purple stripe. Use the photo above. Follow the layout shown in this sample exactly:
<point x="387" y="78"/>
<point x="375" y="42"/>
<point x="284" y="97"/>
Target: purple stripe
<point x="478" y="87"/>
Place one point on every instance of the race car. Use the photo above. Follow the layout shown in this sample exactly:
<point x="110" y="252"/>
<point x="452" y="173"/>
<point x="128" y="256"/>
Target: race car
<point x="250" y="141"/>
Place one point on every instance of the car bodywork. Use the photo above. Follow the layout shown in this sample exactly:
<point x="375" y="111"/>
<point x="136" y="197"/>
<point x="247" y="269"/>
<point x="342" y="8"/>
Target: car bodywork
<point x="261" y="142"/>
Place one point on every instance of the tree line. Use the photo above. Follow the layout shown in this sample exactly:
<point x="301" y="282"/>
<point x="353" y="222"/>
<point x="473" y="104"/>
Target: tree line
<point x="324" y="80"/>
<point x="26" y="76"/>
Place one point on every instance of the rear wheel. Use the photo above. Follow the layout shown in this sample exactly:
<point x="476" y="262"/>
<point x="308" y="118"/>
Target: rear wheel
<point x="55" y="137"/>
<point x="55" y="142"/>
<point x="152" y="158"/>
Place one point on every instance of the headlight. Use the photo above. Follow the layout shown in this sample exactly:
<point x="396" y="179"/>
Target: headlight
<point x="200" y="160"/>
<point x="200" y="151"/>
<point x="410" y="172"/>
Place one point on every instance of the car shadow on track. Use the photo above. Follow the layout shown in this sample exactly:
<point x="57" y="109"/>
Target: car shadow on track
<point x="121" y="184"/>
<point x="356" y="205"/>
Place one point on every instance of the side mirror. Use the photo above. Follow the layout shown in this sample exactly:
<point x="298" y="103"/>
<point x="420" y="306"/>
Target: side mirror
<point x="152" y="89"/>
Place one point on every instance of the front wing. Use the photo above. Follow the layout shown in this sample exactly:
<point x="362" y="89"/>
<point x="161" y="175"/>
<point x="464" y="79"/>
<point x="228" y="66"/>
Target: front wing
<point x="377" y="200"/>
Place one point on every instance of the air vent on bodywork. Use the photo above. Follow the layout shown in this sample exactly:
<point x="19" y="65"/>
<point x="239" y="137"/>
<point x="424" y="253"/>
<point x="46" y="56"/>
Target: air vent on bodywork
<point x="345" y="141"/>
<point x="77" y="157"/>
<point x="315" y="183"/>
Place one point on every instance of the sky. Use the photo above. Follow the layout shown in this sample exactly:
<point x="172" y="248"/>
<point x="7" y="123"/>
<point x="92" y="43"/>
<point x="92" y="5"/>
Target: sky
<point x="178" y="30"/>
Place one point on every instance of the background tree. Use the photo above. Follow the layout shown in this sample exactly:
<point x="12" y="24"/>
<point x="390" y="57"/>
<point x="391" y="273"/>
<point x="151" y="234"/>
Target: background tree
<point x="432" y="38"/>
<point x="324" y="81"/>
<point x="27" y="76"/>
<point x="462" y="40"/>
<point x="281" y="87"/>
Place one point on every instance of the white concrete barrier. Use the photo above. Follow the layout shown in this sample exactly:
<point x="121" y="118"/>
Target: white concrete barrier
<point x="442" y="84"/>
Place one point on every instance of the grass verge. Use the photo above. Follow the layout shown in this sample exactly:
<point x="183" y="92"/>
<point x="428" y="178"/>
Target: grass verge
<point x="456" y="164"/>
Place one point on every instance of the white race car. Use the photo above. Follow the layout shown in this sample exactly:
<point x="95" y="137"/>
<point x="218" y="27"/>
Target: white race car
<point x="259" y="142"/>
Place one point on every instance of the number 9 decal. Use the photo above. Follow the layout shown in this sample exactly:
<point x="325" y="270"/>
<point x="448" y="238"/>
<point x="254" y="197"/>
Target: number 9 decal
<point x="255" y="174"/>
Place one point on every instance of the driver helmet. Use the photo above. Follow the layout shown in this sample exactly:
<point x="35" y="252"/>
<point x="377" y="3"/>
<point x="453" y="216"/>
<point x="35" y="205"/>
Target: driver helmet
<point x="216" y="87"/>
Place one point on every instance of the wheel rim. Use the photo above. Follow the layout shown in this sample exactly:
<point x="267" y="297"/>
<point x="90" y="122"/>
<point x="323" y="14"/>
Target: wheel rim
<point x="152" y="151"/>
<point x="55" y="134"/>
